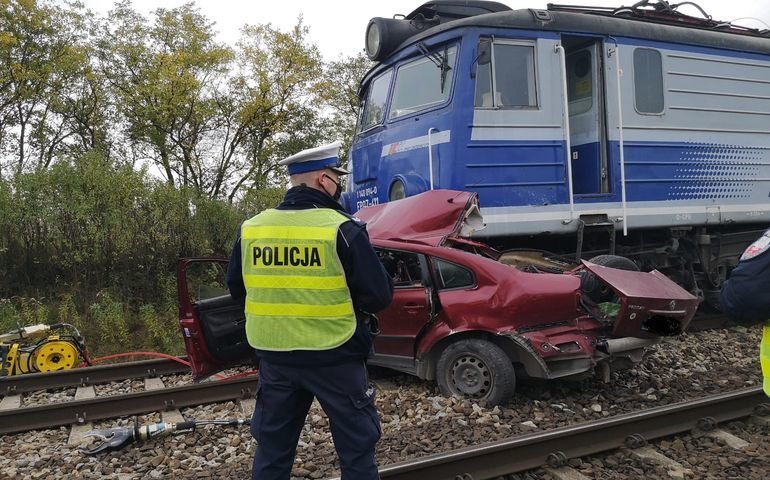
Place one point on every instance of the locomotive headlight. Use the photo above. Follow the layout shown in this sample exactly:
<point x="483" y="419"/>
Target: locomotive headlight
<point x="397" y="190"/>
<point x="383" y="35"/>
<point x="373" y="39"/>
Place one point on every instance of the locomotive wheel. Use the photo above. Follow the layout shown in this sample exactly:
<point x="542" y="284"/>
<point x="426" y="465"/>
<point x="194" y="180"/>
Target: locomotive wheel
<point x="54" y="355"/>
<point x="597" y="290"/>
<point x="476" y="369"/>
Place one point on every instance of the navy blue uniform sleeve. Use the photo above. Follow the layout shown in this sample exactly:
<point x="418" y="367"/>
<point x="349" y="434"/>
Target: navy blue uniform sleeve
<point x="370" y="285"/>
<point x="234" y="273"/>
<point x="745" y="295"/>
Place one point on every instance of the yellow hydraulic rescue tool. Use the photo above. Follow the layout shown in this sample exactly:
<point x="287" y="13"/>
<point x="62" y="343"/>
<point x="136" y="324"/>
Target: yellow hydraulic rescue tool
<point x="41" y="348"/>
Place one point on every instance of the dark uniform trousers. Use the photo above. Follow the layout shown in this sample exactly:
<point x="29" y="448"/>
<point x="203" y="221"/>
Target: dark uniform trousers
<point x="284" y="396"/>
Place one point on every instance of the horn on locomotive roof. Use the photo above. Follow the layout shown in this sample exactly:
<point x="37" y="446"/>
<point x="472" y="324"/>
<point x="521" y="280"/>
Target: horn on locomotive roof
<point x="384" y="35"/>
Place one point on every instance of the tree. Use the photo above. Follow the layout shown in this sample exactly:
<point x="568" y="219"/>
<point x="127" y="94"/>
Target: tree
<point x="163" y="91"/>
<point x="41" y="52"/>
<point x="85" y="108"/>
<point x="339" y="91"/>
<point x="165" y="78"/>
<point x="271" y="108"/>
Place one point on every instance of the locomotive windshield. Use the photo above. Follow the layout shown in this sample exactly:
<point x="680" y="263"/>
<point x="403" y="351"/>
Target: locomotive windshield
<point x="422" y="83"/>
<point x="373" y="106"/>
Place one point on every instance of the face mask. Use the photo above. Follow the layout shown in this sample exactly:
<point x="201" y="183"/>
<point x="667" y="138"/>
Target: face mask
<point x="338" y="191"/>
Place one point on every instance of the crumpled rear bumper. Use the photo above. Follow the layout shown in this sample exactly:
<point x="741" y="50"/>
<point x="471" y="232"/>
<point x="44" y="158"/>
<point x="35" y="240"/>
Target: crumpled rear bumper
<point x="558" y="352"/>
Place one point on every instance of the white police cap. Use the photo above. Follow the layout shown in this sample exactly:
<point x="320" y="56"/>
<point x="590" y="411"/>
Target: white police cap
<point x="318" y="158"/>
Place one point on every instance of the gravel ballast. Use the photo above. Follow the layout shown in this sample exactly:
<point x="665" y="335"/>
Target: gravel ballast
<point x="418" y="421"/>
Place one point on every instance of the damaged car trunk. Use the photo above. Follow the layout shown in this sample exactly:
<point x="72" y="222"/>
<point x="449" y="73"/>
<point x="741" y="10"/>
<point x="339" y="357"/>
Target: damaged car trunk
<point x="472" y="318"/>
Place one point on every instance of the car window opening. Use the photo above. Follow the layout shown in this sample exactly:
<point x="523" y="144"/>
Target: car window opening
<point x="403" y="267"/>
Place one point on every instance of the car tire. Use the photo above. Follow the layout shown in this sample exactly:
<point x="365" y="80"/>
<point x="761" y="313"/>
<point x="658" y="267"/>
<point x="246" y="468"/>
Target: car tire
<point x="476" y="369"/>
<point x="594" y="288"/>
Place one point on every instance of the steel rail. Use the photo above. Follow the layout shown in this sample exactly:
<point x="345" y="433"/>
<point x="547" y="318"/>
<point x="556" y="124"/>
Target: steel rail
<point x="555" y="446"/>
<point x="89" y="375"/>
<point x="709" y="321"/>
<point x="111" y="406"/>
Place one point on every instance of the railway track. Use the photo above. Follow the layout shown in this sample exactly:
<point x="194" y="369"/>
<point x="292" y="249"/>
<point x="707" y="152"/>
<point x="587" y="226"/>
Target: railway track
<point x="708" y="321"/>
<point x="555" y="447"/>
<point x="86" y="407"/>
<point x="552" y="448"/>
<point x="152" y="368"/>
<point x="160" y="399"/>
<point x="18" y="384"/>
<point x="549" y="406"/>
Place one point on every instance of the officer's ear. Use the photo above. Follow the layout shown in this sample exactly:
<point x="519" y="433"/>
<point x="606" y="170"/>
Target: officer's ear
<point x="320" y="177"/>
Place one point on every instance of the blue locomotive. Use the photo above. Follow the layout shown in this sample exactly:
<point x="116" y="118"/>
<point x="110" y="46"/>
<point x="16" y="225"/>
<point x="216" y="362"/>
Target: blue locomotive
<point x="640" y="130"/>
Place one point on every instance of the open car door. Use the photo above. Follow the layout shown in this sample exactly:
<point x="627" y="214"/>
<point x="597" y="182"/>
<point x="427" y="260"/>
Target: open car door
<point x="402" y="322"/>
<point x="212" y="322"/>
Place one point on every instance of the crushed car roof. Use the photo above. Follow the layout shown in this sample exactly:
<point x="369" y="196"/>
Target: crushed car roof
<point x="428" y="218"/>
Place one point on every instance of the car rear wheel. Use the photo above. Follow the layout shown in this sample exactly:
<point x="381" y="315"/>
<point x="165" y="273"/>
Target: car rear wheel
<point x="476" y="369"/>
<point x="597" y="290"/>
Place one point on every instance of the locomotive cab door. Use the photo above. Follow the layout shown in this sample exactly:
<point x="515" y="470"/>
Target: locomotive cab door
<point x="587" y="120"/>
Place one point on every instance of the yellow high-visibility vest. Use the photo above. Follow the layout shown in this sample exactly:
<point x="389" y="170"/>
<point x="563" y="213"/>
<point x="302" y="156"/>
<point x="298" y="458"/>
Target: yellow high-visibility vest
<point x="764" y="358"/>
<point x="297" y="297"/>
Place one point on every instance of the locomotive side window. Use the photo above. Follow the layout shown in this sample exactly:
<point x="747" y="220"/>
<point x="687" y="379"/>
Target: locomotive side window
<point x="373" y="110"/>
<point x="423" y="83"/>
<point x="509" y="79"/>
<point x="648" y="81"/>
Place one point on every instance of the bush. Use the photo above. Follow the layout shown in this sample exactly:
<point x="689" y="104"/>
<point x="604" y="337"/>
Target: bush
<point x="109" y="322"/>
<point x="163" y="329"/>
<point x="94" y="244"/>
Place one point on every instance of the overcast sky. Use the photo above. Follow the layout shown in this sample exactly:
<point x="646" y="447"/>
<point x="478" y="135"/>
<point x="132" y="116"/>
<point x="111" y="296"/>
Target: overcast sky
<point x="338" y="26"/>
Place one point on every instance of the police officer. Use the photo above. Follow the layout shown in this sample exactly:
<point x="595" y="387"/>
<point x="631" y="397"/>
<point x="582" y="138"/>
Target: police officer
<point x="312" y="283"/>
<point x="745" y="296"/>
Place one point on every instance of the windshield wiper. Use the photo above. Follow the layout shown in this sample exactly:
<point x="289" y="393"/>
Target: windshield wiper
<point x="441" y="61"/>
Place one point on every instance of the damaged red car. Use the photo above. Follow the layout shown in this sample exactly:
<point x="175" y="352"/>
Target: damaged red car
<point x="463" y="314"/>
